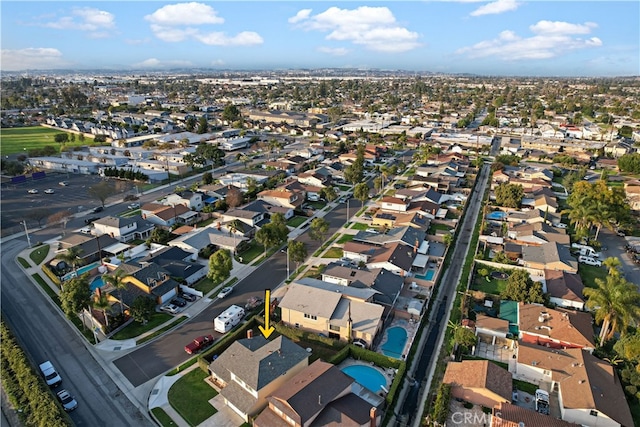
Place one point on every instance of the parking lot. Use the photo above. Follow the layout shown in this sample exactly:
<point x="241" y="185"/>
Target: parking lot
<point x="18" y="204"/>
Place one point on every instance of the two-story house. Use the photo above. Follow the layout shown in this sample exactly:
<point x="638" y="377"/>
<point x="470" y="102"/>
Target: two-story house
<point x="123" y="229"/>
<point x="192" y="200"/>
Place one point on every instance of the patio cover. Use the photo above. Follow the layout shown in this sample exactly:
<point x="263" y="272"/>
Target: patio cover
<point x="420" y="261"/>
<point x="424" y="247"/>
<point x="116" y="248"/>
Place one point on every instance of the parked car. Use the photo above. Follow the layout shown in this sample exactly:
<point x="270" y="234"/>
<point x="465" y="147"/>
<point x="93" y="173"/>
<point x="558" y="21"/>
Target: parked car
<point x="198" y="344"/>
<point x="50" y="374"/>
<point x="33" y="191"/>
<point x="542" y="402"/>
<point x="130" y="197"/>
<point x="98" y="209"/>
<point x="134" y="206"/>
<point x="589" y="261"/>
<point x="63" y="183"/>
<point x="91" y="219"/>
<point x="49" y="191"/>
<point x="188" y="297"/>
<point x="225" y="291"/>
<point x="253" y="302"/>
<point x="67" y="401"/>
<point x="170" y="308"/>
<point x="179" y="302"/>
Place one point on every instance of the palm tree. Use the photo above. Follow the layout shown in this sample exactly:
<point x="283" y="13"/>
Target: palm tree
<point x="616" y="303"/>
<point x="101" y="302"/>
<point x="116" y="279"/>
<point x="72" y="257"/>
<point x="234" y="227"/>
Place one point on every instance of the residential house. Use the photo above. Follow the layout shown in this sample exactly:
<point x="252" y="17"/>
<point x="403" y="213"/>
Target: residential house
<point x="537" y="233"/>
<point x="90" y="247"/>
<point x="316" y="178"/>
<point x="339" y="312"/>
<point x="321" y="395"/>
<point x="492" y="327"/>
<point x="387" y="284"/>
<point x="565" y="289"/>
<point x="508" y="415"/>
<point x="123" y="229"/>
<point x="283" y="197"/>
<point x="192" y="200"/>
<point x="178" y="262"/>
<point x="549" y="256"/>
<point x="555" y="328"/>
<point x="200" y="238"/>
<point x="392" y="204"/>
<point x="149" y="280"/>
<point x="252" y="369"/>
<point x="589" y="391"/>
<point x="167" y="216"/>
<point x="254" y="213"/>
<point x="415" y="218"/>
<point x="480" y="382"/>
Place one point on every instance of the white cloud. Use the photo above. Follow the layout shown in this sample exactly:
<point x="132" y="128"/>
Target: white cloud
<point x="185" y="14"/>
<point x="89" y="19"/>
<point x="245" y="38"/>
<point x="335" y="51"/>
<point x="184" y="21"/>
<point x="34" y="58"/>
<point x="550" y="40"/>
<point x="156" y="63"/>
<point x="374" y="28"/>
<point x="496" y="7"/>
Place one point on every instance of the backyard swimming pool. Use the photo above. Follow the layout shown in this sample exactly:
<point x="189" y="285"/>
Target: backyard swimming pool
<point x="96" y="283"/>
<point x="394" y="345"/>
<point x="80" y="271"/>
<point x="497" y="215"/>
<point x="366" y="376"/>
<point x="427" y="276"/>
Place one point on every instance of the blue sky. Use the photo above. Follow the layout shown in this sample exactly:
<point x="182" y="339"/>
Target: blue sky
<point x="501" y="37"/>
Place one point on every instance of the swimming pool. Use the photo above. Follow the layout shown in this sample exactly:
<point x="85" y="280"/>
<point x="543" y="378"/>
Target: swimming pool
<point x="80" y="271"/>
<point x="497" y="215"/>
<point x="366" y="376"/>
<point x="394" y="345"/>
<point x="427" y="276"/>
<point x="96" y="283"/>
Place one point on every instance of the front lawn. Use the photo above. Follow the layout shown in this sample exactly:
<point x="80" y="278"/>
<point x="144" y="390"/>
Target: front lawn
<point x="296" y="221"/>
<point x="190" y="396"/>
<point x="39" y="254"/>
<point x="333" y="253"/>
<point x="205" y="285"/>
<point x="161" y="330"/>
<point x="252" y="252"/>
<point x="359" y="226"/>
<point x="345" y="238"/>
<point x="135" y="329"/>
<point x="589" y="274"/>
<point x="162" y="417"/>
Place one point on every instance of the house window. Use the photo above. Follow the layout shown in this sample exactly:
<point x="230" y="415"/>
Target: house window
<point x="334" y="328"/>
<point x="593" y="413"/>
<point x="310" y="316"/>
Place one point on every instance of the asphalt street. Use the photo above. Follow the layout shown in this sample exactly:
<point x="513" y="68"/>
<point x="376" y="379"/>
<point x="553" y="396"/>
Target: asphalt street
<point x="45" y="334"/>
<point x="164" y="353"/>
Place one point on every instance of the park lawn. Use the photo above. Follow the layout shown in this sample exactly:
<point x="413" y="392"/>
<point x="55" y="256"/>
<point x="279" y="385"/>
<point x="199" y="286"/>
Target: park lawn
<point x="589" y="274"/>
<point x="16" y="140"/>
<point x="296" y="221"/>
<point x="135" y="329"/>
<point x="39" y="254"/>
<point x="333" y="253"/>
<point x="190" y="396"/>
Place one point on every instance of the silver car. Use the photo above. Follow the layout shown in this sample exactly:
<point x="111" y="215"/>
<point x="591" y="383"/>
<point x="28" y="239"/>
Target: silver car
<point x="67" y="401"/>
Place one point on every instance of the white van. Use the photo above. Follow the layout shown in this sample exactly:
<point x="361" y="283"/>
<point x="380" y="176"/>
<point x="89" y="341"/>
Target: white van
<point x="228" y="319"/>
<point x="589" y="261"/>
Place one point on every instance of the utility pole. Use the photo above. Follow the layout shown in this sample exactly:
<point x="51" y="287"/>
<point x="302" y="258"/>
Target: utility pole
<point x="26" y="232"/>
<point x="287" y="260"/>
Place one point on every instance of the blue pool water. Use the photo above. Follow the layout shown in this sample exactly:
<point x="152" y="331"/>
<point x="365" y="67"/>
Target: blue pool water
<point x="498" y="215"/>
<point x="80" y="271"/>
<point x="366" y="376"/>
<point x="427" y="276"/>
<point x="394" y="345"/>
<point x="96" y="283"/>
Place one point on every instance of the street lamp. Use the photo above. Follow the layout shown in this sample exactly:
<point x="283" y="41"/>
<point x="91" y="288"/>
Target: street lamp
<point x="26" y="232"/>
<point x="347" y="209"/>
<point x="287" y="260"/>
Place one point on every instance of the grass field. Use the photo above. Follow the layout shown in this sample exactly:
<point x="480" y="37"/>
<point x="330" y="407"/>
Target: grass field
<point x="21" y="140"/>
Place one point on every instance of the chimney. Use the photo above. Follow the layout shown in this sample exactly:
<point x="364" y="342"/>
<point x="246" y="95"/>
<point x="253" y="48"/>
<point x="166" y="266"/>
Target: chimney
<point x="373" y="415"/>
<point x="249" y="333"/>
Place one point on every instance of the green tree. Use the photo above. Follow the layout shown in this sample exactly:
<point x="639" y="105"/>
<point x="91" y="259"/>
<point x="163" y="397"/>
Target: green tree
<point x="318" y="228"/>
<point x="361" y="192"/>
<point x="267" y="237"/>
<point x="465" y="338"/>
<point x="203" y="126"/>
<point x="616" y="303"/>
<point x="220" y="265"/>
<point x="520" y="287"/>
<point x="207" y="178"/>
<point x="509" y="195"/>
<point x="102" y="191"/>
<point x="116" y="279"/>
<point x="297" y="252"/>
<point x="75" y="295"/>
<point x="102" y="303"/>
<point x="231" y="113"/>
<point x="190" y="124"/>
<point x="628" y="347"/>
<point x="142" y="308"/>
<point x="329" y="194"/>
<point x="72" y="256"/>
<point x="159" y="235"/>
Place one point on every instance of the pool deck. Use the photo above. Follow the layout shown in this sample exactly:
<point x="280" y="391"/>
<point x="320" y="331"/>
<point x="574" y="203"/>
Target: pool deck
<point x="410" y="326"/>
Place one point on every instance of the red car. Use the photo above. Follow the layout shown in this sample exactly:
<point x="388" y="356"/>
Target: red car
<point x="198" y="344"/>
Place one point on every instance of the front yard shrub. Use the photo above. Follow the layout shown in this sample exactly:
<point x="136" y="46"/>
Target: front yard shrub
<point x="51" y="275"/>
<point x="441" y="406"/>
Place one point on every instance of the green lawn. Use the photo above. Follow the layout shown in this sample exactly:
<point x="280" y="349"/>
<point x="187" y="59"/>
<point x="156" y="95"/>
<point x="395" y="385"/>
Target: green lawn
<point x="161" y="330"/>
<point x="39" y="254"/>
<point x="296" y="221"/>
<point x="15" y="140"/>
<point x="134" y="329"/>
<point x="205" y="285"/>
<point x="190" y="396"/>
<point x="254" y="251"/>
<point x="345" y="238"/>
<point x="359" y="226"/>
<point x="589" y="273"/>
<point x="24" y="262"/>
<point x="333" y="253"/>
<point x="162" y="417"/>
<point x="493" y="286"/>
<point x="435" y="227"/>
<point x="525" y="386"/>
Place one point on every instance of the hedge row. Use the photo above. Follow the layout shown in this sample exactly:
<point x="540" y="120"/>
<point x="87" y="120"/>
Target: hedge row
<point x="25" y="389"/>
<point x="51" y="275"/>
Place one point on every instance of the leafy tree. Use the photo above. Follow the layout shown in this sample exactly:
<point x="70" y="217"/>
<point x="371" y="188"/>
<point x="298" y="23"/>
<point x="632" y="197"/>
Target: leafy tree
<point x="61" y="138"/>
<point x="72" y="256"/>
<point x="220" y="265"/>
<point x="203" y="126"/>
<point x="628" y="347"/>
<point x="75" y="295"/>
<point x="159" y="235"/>
<point x="142" y="308"/>
<point x="297" y="251"/>
<point x="268" y="237"/>
<point x="102" y="191"/>
<point x="329" y="194"/>
<point x="520" y="287"/>
<point x="234" y="197"/>
<point x="231" y="113"/>
<point x="629" y="163"/>
<point x="207" y="178"/>
<point x="190" y="124"/>
<point x="616" y="303"/>
<point x="441" y="405"/>
<point x="361" y="192"/>
<point x="508" y="159"/>
<point x="102" y="303"/>
<point x="466" y="338"/>
<point x="509" y="195"/>
<point x="318" y="228"/>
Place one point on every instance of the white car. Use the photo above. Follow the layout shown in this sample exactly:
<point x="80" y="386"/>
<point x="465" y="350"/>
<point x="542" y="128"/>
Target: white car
<point x="170" y="308"/>
<point x="134" y="206"/>
<point x="33" y="191"/>
<point x="50" y="374"/>
<point x="225" y="291"/>
<point x="589" y="261"/>
<point x="49" y="191"/>
<point x="63" y="183"/>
